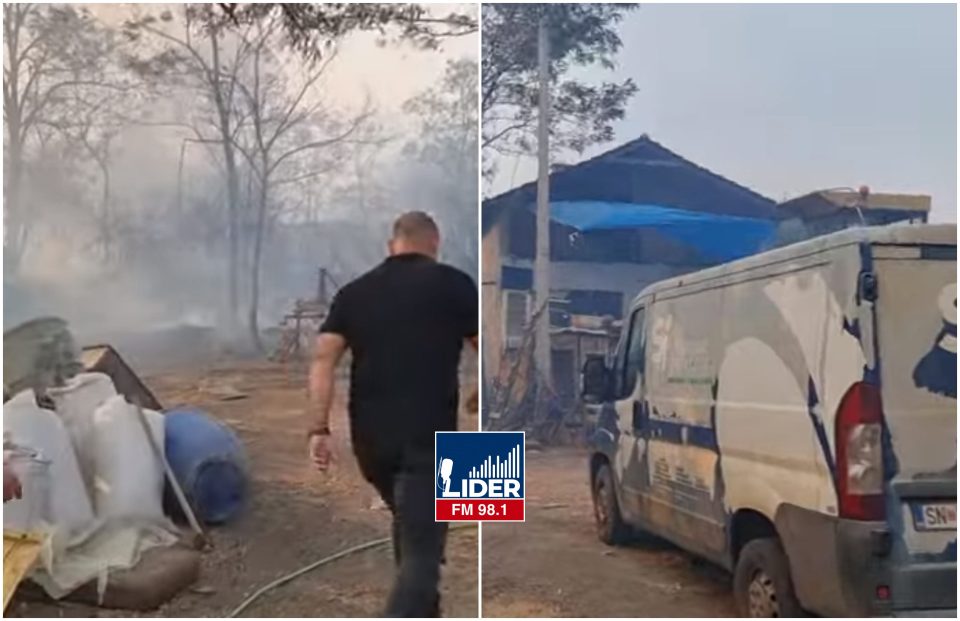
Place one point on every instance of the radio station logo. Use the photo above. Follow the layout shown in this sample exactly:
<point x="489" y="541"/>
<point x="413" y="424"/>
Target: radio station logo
<point x="479" y="476"/>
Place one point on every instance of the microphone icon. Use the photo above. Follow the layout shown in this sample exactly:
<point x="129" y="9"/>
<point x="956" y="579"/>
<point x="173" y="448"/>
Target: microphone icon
<point x="446" y="467"/>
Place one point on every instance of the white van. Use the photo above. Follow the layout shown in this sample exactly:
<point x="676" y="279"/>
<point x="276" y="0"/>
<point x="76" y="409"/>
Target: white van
<point x="792" y="416"/>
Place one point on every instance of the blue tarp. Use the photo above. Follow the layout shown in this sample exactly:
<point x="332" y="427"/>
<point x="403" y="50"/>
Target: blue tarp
<point x="717" y="237"/>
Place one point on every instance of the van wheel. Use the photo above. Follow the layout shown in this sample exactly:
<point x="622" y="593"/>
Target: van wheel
<point x="606" y="510"/>
<point x="762" y="585"/>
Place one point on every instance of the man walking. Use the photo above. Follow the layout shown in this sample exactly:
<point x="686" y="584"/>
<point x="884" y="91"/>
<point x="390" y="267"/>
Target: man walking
<point x="404" y="323"/>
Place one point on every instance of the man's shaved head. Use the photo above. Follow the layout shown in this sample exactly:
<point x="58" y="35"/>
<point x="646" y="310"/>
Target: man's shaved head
<point x="415" y="231"/>
<point x="414" y="225"/>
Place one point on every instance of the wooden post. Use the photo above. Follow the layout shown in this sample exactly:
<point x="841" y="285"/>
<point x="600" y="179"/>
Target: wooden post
<point x="296" y="346"/>
<point x="322" y="290"/>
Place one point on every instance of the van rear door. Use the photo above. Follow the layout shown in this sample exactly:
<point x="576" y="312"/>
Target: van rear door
<point x="916" y="343"/>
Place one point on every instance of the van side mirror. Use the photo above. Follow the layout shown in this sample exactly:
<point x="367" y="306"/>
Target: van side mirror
<point x="596" y="380"/>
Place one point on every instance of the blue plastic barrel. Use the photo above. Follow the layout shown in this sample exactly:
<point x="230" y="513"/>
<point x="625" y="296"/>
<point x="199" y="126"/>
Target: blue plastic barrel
<point x="209" y="462"/>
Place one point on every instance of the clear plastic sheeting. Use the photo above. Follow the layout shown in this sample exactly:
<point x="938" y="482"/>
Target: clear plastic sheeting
<point x="38" y="354"/>
<point x="65" y="566"/>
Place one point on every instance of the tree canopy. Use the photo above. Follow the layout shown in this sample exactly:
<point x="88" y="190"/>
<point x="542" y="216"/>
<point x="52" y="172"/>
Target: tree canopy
<point x="312" y="28"/>
<point x="582" y="113"/>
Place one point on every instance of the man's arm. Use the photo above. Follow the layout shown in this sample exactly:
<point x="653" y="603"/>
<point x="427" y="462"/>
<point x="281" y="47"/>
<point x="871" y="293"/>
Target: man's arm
<point x="327" y="353"/>
<point x="472" y="338"/>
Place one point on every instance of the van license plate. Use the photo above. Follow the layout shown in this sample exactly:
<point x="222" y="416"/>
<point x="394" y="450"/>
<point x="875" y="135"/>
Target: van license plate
<point x="934" y="516"/>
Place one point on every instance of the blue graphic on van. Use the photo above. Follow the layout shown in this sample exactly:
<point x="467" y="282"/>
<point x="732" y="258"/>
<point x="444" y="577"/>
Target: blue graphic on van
<point x="937" y="370"/>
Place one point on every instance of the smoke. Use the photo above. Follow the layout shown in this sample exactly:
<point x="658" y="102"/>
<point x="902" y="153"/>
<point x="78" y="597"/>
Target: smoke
<point x="165" y="267"/>
<point x="152" y="257"/>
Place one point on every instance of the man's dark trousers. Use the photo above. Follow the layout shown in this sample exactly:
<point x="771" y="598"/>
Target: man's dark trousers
<point x="406" y="483"/>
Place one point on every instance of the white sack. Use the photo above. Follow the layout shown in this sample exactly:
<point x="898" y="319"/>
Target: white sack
<point x="75" y="402"/>
<point x="28" y="425"/>
<point x="128" y="477"/>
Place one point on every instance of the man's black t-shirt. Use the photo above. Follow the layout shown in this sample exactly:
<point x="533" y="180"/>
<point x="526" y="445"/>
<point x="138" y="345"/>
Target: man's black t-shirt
<point x="405" y="322"/>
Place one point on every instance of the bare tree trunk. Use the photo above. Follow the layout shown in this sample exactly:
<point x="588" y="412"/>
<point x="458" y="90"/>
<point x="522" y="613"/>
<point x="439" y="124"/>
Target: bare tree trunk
<point x="183" y="152"/>
<point x="13" y="216"/>
<point x="233" y="230"/>
<point x="233" y="190"/>
<point x="254" y="309"/>
<point x="13" y="20"/>
<point x="106" y="223"/>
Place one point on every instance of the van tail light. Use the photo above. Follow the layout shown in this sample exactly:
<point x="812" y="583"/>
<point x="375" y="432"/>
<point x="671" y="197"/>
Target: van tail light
<point x="859" y="441"/>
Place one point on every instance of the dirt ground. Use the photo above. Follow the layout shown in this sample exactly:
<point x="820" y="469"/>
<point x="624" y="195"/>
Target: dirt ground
<point x="553" y="565"/>
<point x="296" y="515"/>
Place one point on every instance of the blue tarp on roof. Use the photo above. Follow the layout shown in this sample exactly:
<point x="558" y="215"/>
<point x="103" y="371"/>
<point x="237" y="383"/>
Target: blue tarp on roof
<point x="717" y="237"/>
<point x="641" y="171"/>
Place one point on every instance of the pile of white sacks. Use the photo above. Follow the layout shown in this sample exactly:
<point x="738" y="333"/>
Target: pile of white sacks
<point x="92" y="483"/>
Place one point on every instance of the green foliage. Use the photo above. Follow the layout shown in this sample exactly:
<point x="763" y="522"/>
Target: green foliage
<point x="311" y="29"/>
<point x="54" y="54"/>
<point x="63" y="96"/>
<point x="446" y="158"/>
<point x="580" y="35"/>
<point x="448" y="118"/>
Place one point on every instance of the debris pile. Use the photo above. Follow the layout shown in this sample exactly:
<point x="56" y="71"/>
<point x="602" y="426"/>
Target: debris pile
<point x="91" y="488"/>
<point x="550" y="412"/>
<point x="304" y="320"/>
<point x="90" y="450"/>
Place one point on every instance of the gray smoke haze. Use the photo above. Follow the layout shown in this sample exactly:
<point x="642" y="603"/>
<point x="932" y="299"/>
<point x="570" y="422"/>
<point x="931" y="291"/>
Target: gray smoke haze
<point x="139" y="244"/>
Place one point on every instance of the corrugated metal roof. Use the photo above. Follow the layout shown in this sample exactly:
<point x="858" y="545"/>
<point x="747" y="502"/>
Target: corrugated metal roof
<point x="640" y="171"/>
<point x="825" y="202"/>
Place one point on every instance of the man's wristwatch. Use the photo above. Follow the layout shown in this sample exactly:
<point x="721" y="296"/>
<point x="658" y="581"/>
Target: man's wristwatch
<point x="318" y="431"/>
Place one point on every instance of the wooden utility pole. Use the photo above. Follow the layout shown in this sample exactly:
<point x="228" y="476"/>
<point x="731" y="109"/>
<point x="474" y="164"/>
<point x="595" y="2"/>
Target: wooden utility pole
<point x="541" y="261"/>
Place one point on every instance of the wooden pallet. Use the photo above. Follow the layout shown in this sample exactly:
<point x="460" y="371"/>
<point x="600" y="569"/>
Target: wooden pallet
<point x="20" y="552"/>
<point x="297" y="327"/>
